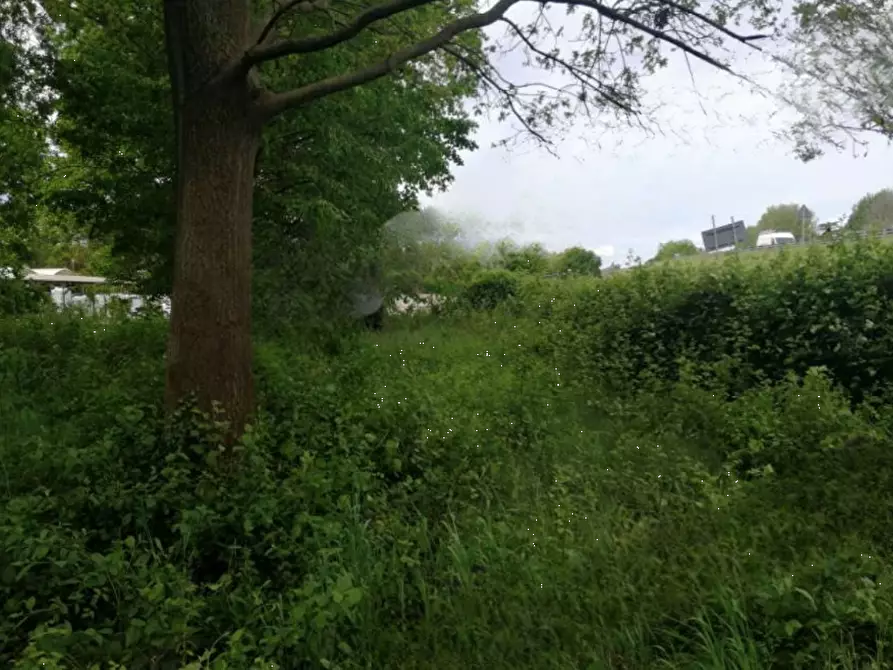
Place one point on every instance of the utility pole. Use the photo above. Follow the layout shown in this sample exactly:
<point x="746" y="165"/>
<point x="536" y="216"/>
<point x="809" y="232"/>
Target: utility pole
<point x="734" y="232"/>
<point x="802" y="214"/>
<point x="713" y="223"/>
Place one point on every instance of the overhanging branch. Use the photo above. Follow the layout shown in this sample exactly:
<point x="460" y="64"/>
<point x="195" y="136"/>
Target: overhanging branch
<point x="663" y="36"/>
<point x="265" y="52"/>
<point x="275" y="103"/>
<point x="270" y="24"/>
<point x="272" y="104"/>
<point x="585" y="79"/>
<point x="483" y="74"/>
<point x="713" y="24"/>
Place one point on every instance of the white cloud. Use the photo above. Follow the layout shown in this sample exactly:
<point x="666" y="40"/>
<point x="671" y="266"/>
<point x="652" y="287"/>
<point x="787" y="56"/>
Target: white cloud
<point x="716" y="157"/>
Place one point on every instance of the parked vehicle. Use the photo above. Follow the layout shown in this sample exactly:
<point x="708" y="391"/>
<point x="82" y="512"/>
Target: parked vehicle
<point x="771" y="238"/>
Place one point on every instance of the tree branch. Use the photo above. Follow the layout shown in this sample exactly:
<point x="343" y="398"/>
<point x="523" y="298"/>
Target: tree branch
<point x="620" y="17"/>
<point x="302" y="5"/>
<point x="474" y="67"/>
<point x="584" y="78"/>
<point x="260" y="52"/>
<point x="270" y="23"/>
<point x="714" y="24"/>
<point x="273" y="104"/>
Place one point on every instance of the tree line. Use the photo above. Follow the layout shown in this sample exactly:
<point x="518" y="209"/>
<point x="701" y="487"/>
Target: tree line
<point x="872" y="214"/>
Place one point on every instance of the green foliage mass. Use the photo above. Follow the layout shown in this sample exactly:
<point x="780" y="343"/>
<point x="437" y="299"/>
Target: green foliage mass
<point x="676" y="248"/>
<point x="23" y="112"/>
<point x="751" y="321"/>
<point x="873" y="213"/>
<point x="530" y="259"/>
<point x="18" y="297"/>
<point x="490" y="289"/>
<point x="682" y="466"/>
<point x="578" y="261"/>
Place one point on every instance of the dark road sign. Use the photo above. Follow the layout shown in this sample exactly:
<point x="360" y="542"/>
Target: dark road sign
<point x="723" y="236"/>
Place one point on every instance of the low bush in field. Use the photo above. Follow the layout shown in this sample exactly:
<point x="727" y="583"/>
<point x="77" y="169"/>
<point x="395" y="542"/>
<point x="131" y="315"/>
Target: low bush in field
<point x="463" y="493"/>
<point x="490" y="288"/>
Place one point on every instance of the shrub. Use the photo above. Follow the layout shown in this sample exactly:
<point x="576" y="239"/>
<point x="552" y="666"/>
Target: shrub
<point x="20" y="297"/>
<point x="490" y="288"/>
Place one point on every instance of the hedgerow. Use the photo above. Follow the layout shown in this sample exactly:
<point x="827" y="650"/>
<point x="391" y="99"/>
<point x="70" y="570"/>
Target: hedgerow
<point x="829" y="307"/>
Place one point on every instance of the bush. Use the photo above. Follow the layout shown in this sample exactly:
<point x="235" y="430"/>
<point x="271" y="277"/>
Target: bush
<point x="490" y="289"/>
<point x="20" y="297"/>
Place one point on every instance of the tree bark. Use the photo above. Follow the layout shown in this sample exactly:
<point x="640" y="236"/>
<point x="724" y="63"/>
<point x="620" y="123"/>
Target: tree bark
<point x="209" y="352"/>
<point x="218" y="135"/>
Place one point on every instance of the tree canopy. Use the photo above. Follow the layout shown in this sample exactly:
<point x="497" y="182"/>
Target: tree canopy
<point x="841" y="70"/>
<point x="676" y="248"/>
<point x="328" y="175"/>
<point x="873" y="213"/>
<point x="578" y="261"/>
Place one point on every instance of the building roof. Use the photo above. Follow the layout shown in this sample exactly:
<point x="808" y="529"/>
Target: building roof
<point x="66" y="278"/>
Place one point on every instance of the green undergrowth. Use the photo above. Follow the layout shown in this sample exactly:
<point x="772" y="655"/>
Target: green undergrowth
<point x="482" y="489"/>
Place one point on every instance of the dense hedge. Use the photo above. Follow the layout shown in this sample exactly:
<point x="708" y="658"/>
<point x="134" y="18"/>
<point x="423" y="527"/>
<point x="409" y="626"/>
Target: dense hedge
<point x="747" y="320"/>
<point x="489" y="289"/>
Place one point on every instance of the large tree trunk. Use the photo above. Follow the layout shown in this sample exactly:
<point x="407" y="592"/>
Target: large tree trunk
<point x="209" y="350"/>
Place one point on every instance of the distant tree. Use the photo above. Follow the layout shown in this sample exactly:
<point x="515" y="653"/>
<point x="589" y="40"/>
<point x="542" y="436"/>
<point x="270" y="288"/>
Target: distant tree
<point x="529" y="259"/>
<point x="578" y="261"/>
<point x="786" y="218"/>
<point x="24" y="114"/>
<point x="872" y="213"/>
<point x="421" y="247"/>
<point x="674" y="248"/>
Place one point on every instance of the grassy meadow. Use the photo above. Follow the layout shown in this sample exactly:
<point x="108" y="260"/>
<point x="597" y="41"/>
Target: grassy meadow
<point x="687" y="466"/>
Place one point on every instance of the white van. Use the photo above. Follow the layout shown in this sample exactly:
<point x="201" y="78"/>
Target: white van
<point x="770" y="238"/>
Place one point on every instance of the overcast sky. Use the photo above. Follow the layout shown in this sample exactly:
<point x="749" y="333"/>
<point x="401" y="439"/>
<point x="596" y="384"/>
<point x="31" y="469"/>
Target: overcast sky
<point x="624" y="190"/>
